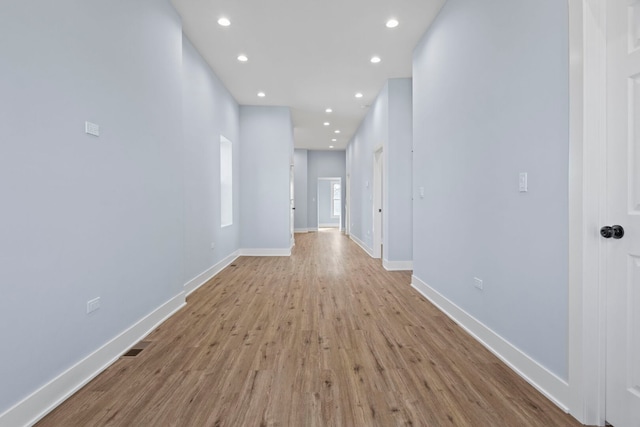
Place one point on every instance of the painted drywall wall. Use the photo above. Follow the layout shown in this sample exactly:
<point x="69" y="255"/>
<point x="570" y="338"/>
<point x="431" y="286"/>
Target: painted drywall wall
<point x="322" y="164"/>
<point x="85" y="216"/>
<point x="266" y="151"/>
<point x="397" y="187"/>
<point x="325" y="217"/>
<point x="208" y="112"/>
<point x="388" y="124"/>
<point x="490" y="91"/>
<point x="300" y="189"/>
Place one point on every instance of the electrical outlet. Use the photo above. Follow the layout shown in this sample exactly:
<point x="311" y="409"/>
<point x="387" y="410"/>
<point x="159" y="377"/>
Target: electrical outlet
<point x="93" y="305"/>
<point x="91" y="128"/>
<point x="478" y="283"/>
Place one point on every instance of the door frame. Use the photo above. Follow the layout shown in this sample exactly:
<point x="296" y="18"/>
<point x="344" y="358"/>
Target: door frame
<point x="378" y="200"/>
<point x="328" y="178"/>
<point x="587" y="207"/>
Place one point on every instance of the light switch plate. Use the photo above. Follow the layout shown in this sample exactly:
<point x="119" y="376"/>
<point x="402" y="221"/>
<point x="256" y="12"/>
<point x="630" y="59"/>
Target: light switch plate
<point x="523" y="185"/>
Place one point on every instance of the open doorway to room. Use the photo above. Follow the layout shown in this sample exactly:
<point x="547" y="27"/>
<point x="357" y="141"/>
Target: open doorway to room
<point x="330" y="202"/>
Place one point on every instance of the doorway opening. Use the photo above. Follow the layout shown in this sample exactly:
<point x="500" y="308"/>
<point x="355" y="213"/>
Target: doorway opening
<point x="330" y="202"/>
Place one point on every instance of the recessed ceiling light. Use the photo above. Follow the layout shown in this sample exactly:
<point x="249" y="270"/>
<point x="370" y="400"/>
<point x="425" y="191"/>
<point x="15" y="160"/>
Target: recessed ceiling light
<point x="392" y="23"/>
<point x="336" y="131"/>
<point x="224" y="22"/>
<point x="358" y="95"/>
<point x="333" y="140"/>
<point x="327" y="123"/>
<point x="331" y="146"/>
<point x="328" y="110"/>
<point x="243" y="58"/>
<point x="261" y="94"/>
<point x="375" y="59"/>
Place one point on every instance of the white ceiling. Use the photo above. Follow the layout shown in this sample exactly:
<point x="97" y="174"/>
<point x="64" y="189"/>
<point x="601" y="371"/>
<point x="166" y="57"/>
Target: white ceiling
<point x="308" y="55"/>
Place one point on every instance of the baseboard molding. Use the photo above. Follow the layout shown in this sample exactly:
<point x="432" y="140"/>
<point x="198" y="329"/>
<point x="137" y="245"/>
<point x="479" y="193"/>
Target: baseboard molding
<point x="301" y="230"/>
<point x="35" y="406"/>
<point x="265" y="252"/>
<point x="328" y="225"/>
<point x="547" y="383"/>
<point x="397" y="265"/>
<point x="206" y="275"/>
<point x="361" y="244"/>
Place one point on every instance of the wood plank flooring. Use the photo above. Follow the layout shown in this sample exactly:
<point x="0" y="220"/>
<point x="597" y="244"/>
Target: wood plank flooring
<point x="325" y="337"/>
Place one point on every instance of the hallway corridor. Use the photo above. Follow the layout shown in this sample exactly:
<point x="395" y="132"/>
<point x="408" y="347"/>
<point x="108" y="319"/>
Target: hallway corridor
<point x="325" y="337"/>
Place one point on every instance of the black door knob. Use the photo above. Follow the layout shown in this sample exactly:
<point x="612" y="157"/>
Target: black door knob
<point x="615" y="231"/>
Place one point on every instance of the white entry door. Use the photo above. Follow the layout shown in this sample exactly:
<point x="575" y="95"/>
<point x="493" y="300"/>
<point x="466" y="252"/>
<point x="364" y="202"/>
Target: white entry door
<point x="623" y="208"/>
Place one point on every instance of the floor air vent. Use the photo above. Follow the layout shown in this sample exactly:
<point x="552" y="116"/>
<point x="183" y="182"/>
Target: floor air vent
<point x="136" y="349"/>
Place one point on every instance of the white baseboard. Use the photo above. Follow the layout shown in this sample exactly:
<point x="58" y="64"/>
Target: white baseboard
<point x="265" y="252"/>
<point x="301" y="230"/>
<point x="546" y="382"/>
<point x="361" y="244"/>
<point x="397" y="265"/>
<point x="35" y="406"/>
<point x="328" y="225"/>
<point x="206" y="275"/>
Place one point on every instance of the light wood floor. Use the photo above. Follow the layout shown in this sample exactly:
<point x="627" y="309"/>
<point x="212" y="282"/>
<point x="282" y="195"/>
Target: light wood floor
<point x="325" y="337"/>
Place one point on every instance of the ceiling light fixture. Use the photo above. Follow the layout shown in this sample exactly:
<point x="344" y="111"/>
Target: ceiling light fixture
<point x="261" y="94"/>
<point x="243" y="58"/>
<point x="327" y="123"/>
<point x="359" y="95"/>
<point x="333" y="140"/>
<point x="331" y="146"/>
<point x="224" y="22"/>
<point x="328" y="110"/>
<point x="375" y="59"/>
<point x="392" y="23"/>
<point x="336" y="131"/>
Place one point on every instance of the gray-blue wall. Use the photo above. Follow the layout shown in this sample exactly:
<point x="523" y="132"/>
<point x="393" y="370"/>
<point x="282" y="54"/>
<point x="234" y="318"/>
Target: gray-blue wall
<point x="266" y="151"/>
<point x="490" y="91"/>
<point x="209" y="111"/>
<point x="85" y="216"/>
<point x="300" y="189"/>
<point x="388" y="124"/>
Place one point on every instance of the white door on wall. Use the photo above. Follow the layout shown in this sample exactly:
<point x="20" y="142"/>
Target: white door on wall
<point x="623" y="209"/>
<point x="292" y="205"/>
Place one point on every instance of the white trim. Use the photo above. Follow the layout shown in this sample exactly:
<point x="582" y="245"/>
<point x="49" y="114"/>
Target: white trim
<point x="361" y="244"/>
<point x="46" y="398"/>
<point x="547" y="383"/>
<point x="397" y="265"/>
<point x="265" y="252"/>
<point x="329" y="225"/>
<point x="209" y="273"/>
<point x="587" y="152"/>
<point x="301" y="230"/>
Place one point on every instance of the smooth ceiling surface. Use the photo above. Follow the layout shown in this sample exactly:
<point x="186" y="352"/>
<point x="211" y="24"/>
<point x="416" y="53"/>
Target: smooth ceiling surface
<point x="308" y="55"/>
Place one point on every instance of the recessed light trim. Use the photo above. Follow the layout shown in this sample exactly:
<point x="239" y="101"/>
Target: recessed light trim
<point x="331" y="146"/>
<point x="334" y="140"/>
<point x="336" y="131"/>
<point x="224" y="22"/>
<point x="262" y="94"/>
<point x="375" y="59"/>
<point x="359" y="95"/>
<point x="326" y="123"/>
<point x="392" y="23"/>
<point x="243" y="58"/>
<point x="328" y="110"/>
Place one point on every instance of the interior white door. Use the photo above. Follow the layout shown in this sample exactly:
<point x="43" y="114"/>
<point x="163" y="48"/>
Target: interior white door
<point x="292" y="205"/>
<point x="377" y="203"/>
<point x="623" y="208"/>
